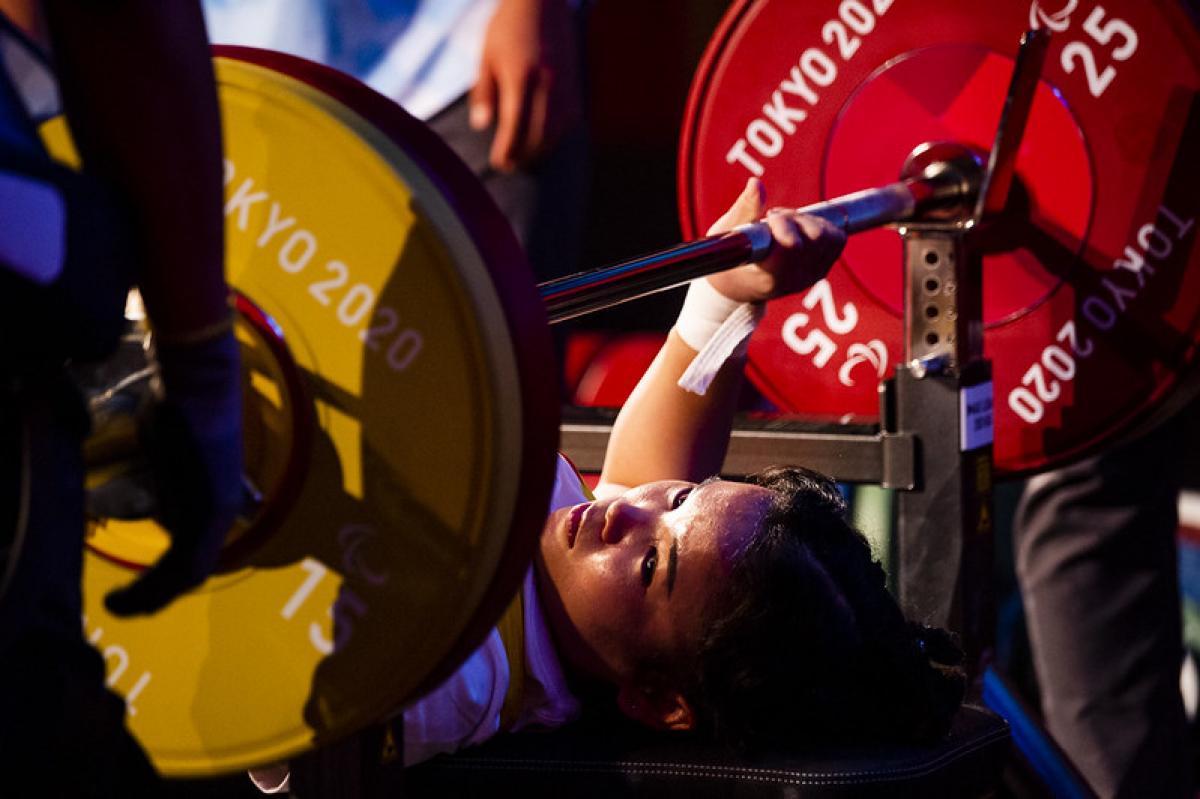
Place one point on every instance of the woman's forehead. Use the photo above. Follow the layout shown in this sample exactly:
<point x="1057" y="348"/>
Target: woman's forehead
<point x="725" y="517"/>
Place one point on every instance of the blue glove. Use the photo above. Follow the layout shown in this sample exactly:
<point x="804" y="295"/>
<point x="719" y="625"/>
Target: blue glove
<point x="194" y="444"/>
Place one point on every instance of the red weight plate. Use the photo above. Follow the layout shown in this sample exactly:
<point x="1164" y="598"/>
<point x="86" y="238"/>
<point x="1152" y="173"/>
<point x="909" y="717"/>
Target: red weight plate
<point x="1091" y="294"/>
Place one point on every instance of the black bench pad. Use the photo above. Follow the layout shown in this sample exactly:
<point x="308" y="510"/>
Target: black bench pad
<point x="586" y="761"/>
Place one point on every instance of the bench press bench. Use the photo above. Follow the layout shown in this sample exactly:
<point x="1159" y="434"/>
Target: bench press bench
<point x="588" y="760"/>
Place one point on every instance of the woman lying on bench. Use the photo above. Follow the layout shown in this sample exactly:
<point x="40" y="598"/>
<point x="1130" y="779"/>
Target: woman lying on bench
<point x="749" y="612"/>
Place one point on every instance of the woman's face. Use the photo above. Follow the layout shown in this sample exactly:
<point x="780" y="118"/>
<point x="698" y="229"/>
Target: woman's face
<point x="630" y="577"/>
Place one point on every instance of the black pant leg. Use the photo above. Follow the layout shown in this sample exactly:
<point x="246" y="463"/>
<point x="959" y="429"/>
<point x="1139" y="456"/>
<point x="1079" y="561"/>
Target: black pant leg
<point x="62" y="732"/>
<point x="545" y="202"/>
<point x="1096" y="561"/>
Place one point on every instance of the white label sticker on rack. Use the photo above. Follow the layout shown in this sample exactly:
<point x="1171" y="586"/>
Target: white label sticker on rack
<point x="975" y="413"/>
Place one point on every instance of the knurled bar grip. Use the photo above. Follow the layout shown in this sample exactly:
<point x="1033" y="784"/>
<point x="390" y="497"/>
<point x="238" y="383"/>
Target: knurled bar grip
<point x="590" y="291"/>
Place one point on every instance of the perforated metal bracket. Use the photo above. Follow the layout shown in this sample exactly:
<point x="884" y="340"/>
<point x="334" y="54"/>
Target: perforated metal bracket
<point x="943" y="312"/>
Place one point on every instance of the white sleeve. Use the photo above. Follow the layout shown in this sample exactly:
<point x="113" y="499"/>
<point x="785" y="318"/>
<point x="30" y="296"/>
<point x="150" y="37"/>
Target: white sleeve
<point x="271" y="779"/>
<point x="462" y="711"/>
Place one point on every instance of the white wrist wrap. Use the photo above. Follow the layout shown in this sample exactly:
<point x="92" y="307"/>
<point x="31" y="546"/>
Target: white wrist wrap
<point x="717" y="327"/>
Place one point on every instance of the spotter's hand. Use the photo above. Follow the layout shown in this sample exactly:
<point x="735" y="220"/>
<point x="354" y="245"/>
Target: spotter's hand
<point x="526" y="82"/>
<point x="804" y="249"/>
<point x="194" y="441"/>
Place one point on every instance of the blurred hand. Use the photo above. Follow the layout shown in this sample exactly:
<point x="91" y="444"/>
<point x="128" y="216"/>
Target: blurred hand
<point x="805" y="247"/>
<point x="527" y="81"/>
<point x="194" y="444"/>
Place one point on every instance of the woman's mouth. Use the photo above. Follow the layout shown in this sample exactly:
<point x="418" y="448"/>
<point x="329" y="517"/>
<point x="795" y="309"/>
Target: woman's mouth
<point x="574" y="521"/>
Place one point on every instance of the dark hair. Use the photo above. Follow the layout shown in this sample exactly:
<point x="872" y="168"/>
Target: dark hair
<point x="808" y="646"/>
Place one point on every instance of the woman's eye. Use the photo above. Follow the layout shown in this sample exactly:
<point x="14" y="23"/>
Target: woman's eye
<point x="679" y="498"/>
<point x="649" y="564"/>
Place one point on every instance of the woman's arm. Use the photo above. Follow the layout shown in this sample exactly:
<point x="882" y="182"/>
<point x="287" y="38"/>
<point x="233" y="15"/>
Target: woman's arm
<point x="665" y="432"/>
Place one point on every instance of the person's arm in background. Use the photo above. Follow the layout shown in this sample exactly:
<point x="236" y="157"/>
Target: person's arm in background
<point x="136" y="80"/>
<point x="528" y="82"/>
<point x="25" y="14"/>
<point x="664" y="432"/>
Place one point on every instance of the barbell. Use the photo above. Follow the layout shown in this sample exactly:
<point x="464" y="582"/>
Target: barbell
<point x="396" y="358"/>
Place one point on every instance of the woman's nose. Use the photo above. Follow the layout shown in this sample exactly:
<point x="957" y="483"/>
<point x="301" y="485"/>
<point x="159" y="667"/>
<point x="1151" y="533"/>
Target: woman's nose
<point x="624" y="519"/>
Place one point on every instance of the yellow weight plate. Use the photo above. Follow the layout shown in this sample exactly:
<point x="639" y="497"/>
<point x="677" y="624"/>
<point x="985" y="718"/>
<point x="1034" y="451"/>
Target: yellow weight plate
<point x="409" y="311"/>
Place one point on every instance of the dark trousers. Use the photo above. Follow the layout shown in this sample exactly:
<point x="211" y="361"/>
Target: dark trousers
<point x="1096" y="561"/>
<point x="62" y="733"/>
<point x="545" y="202"/>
